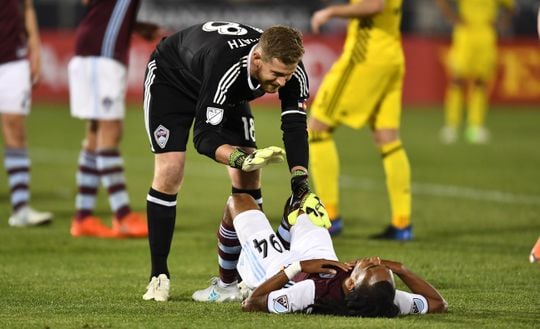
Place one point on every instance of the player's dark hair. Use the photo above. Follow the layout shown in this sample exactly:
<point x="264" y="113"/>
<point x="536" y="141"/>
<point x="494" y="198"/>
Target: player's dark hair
<point x="375" y="301"/>
<point x="282" y="42"/>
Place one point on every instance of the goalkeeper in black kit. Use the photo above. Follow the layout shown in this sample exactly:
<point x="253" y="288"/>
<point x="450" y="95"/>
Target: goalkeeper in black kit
<point x="205" y="76"/>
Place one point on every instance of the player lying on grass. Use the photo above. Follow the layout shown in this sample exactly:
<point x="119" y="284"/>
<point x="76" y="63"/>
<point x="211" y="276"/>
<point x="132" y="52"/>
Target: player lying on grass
<point x="309" y="278"/>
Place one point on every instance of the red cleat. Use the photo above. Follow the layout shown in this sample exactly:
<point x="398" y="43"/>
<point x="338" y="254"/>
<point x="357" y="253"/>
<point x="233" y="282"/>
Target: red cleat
<point x="90" y="226"/>
<point x="131" y="226"/>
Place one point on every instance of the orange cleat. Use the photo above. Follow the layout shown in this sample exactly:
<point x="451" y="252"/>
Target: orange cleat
<point x="90" y="226"/>
<point x="131" y="226"/>
<point x="535" y="253"/>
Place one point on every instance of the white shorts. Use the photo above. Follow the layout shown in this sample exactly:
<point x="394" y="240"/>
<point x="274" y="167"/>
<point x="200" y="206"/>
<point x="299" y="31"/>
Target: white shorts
<point x="15" y="87"/>
<point x="97" y="88"/>
<point x="263" y="255"/>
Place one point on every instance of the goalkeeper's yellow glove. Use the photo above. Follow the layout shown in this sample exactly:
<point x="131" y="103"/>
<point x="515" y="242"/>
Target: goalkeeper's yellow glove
<point x="258" y="159"/>
<point x="312" y="206"/>
<point x="309" y="202"/>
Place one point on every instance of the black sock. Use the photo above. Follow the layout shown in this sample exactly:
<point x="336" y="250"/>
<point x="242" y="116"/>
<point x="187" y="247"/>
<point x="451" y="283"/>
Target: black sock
<point x="256" y="194"/>
<point x="161" y="214"/>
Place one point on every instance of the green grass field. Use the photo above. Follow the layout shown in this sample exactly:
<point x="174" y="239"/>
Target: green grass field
<point x="476" y="215"/>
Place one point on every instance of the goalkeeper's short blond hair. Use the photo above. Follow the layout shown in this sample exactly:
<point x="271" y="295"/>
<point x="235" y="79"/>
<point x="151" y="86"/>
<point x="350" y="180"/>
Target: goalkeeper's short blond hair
<point x="282" y="42"/>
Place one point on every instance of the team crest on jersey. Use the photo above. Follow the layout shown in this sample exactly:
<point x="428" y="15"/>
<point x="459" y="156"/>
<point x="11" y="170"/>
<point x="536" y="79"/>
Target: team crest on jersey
<point x="417" y="306"/>
<point x="281" y="304"/>
<point x="161" y="134"/>
<point x="214" y="115"/>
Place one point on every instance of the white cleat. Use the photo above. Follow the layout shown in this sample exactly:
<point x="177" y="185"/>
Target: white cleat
<point x="448" y="135"/>
<point x="158" y="289"/>
<point x="26" y="216"/>
<point x="477" y="135"/>
<point x="218" y="294"/>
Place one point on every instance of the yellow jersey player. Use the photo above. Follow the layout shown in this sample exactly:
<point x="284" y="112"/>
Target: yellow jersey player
<point x="471" y="61"/>
<point x="363" y="87"/>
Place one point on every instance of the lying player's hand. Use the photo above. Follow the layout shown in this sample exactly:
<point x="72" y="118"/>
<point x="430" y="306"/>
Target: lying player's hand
<point x="312" y="206"/>
<point x="394" y="266"/>
<point x="322" y="266"/>
<point x="258" y="159"/>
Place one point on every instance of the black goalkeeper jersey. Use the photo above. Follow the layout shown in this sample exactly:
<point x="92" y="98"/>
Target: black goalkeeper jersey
<point x="209" y="64"/>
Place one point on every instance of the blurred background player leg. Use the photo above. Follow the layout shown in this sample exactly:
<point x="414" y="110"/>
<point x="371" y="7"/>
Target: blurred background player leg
<point x="126" y="223"/>
<point x="458" y="66"/>
<point x="84" y="223"/>
<point x="476" y="131"/>
<point x="17" y="165"/>
<point x="453" y="110"/>
<point x="14" y="106"/>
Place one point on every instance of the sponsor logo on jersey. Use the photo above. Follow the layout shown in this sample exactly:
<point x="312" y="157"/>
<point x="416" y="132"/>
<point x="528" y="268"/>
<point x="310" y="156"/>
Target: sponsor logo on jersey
<point x="417" y="306"/>
<point x="161" y="134"/>
<point x="214" y="115"/>
<point x="281" y="304"/>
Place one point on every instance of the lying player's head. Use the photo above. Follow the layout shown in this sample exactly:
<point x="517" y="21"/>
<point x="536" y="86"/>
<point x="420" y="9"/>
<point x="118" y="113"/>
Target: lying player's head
<point x="369" y="292"/>
<point x="278" y="52"/>
<point x="370" y="289"/>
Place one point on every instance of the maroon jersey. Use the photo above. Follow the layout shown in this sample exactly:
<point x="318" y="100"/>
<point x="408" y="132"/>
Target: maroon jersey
<point x="12" y="31"/>
<point x="327" y="287"/>
<point x="106" y="29"/>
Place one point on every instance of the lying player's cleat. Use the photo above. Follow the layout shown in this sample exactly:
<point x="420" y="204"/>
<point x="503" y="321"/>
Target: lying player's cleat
<point x="132" y="225"/>
<point x="535" y="252"/>
<point x="262" y="157"/>
<point x="90" y="226"/>
<point x="477" y="135"/>
<point x="158" y="289"/>
<point x="26" y="216"/>
<point x="393" y="233"/>
<point x="215" y="293"/>
<point x="448" y="135"/>
<point x="337" y="226"/>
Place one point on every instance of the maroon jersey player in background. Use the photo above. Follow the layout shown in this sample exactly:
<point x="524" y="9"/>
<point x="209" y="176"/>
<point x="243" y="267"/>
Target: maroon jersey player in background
<point x="97" y="82"/>
<point x="20" y="67"/>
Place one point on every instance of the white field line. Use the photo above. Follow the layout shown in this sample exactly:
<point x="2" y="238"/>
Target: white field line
<point x="346" y="181"/>
<point x="446" y="191"/>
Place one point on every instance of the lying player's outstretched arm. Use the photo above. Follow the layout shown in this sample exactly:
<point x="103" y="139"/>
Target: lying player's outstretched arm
<point x="257" y="302"/>
<point x="436" y="302"/>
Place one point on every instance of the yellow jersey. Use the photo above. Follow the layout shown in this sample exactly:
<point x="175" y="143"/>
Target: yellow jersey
<point x="376" y="39"/>
<point x="481" y="12"/>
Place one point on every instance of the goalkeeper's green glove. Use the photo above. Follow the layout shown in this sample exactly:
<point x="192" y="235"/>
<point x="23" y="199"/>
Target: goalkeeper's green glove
<point x="312" y="206"/>
<point x="258" y="159"/>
